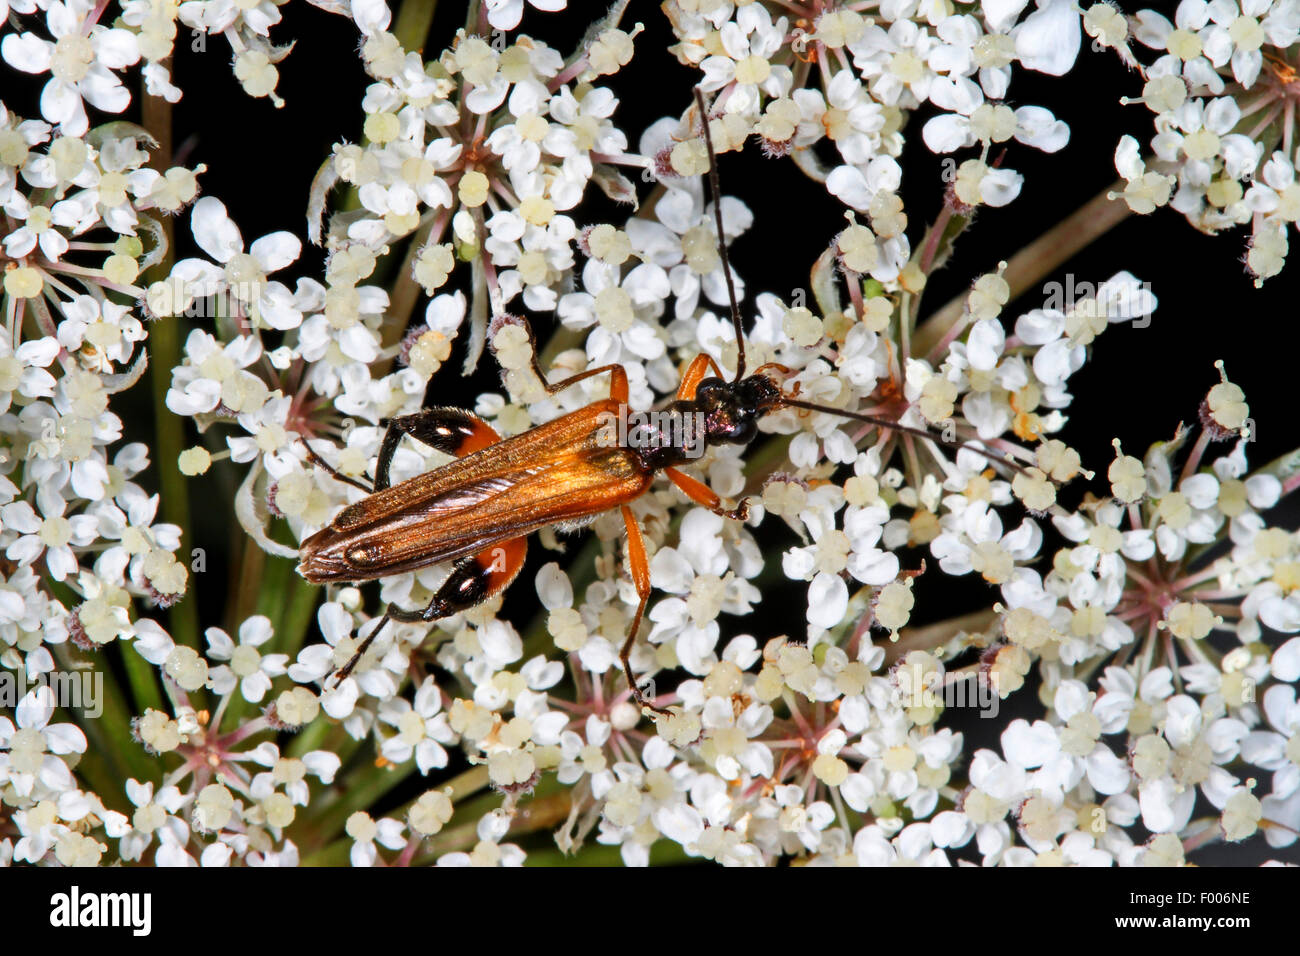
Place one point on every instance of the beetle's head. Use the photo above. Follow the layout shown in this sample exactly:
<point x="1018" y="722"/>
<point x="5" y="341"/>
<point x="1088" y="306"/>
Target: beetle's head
<point x="732" y="409"/>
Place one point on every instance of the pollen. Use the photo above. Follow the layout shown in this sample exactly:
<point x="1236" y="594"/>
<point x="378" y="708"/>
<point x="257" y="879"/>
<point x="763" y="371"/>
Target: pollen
<point x="1034" y="490"/>
<point x="1128" y="480"/>
<point x="1191" y="621"/>
<point x="1227" y="403"/>
<point x="858" y="251"/>
<point x="699" y="245"/>
<point x="690" y="158"/>
<point x="473" y="188"/>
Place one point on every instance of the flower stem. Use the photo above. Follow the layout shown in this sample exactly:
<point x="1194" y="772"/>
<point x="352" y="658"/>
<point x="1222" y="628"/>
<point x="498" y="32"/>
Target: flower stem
<point x="414" y="18"/>
<point x="164" y="355"/>
<point x="1027" y="267"/>
<point x="935" y="635"/>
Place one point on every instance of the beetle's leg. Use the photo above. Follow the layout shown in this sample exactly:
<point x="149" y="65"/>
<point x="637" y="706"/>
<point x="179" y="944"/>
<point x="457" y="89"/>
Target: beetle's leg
<point x="702" y="494"/>
<point x="472" y="581"/>
<point x="640" y="568"/>
<point x="476" y="578"/>
<point x="695" y="372"/>
<point x="618" y="389"/>
<point x="342" y="673"/>
<point x="321" y="463"/>
<point x="451" y="430"/>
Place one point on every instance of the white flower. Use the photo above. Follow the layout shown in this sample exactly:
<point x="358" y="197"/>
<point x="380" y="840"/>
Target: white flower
<point x="30" y="751"/>
<point x="248" y="667"/>
<point x="153" y="814"/>
<point x="506" y="14"/>
<point x="421" y="728"/>
<point x="743" y="65"/>
<point x="39" y="228"/>
<point x="684" y="243"/>
<point x="1277" y="749"/>
<point x="698" y="569"/>
<point x="365" y="833"/>
<point x="53" y="536"/>
<point x="213" y="375"/>
<point x="1048" y="39"/>
<point x="23" y="369"/>
<point x="80" y="61"/>
<point x="974" y="540"/>
<point x="110" y="331"/>
<point x="243" y="277"/>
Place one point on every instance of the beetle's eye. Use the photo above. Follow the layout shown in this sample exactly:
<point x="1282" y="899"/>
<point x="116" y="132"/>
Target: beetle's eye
<point x="745" y="431"/>
<point x="708" y="385"/>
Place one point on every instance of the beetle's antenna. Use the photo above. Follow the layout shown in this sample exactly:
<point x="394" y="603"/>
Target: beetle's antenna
<point x="722" y="239"/>
<point x="883" y="423"/>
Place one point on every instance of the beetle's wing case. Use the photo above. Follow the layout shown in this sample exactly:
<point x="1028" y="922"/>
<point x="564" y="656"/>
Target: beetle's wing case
<point x="555" y="473"/>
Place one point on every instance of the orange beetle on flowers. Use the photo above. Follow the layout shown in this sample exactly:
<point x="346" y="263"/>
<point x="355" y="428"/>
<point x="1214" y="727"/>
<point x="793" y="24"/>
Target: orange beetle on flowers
<point x="478" y="510"/>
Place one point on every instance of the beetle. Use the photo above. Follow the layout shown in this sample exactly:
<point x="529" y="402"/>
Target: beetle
<point x="478" y="510"/>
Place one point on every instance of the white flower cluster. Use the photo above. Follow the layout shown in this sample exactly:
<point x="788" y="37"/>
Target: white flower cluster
<point x="1224" y="93"/>
<point x="796" y="74"/>
<point x="1149" y="638"/>
<point x="69" y="507"/>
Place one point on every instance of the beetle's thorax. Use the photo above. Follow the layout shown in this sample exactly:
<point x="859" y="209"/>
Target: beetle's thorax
<point x="721" y="413"/>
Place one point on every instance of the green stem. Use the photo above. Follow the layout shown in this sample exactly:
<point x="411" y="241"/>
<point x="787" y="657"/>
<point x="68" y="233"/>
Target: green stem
<point x="298" y="615"/>
<point x="336" y="854"/>
<point x="770" y="457"/>
<point x="414" y="18"/>
<point x="935" y="250"/>
<point x="164" y="355"/>
<point x="143" y="679"/>
<point x="310" y="737"/>
<point x="467" y="783"/>
<point x="662" y="853"/>
<point x="251" y="582"/>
